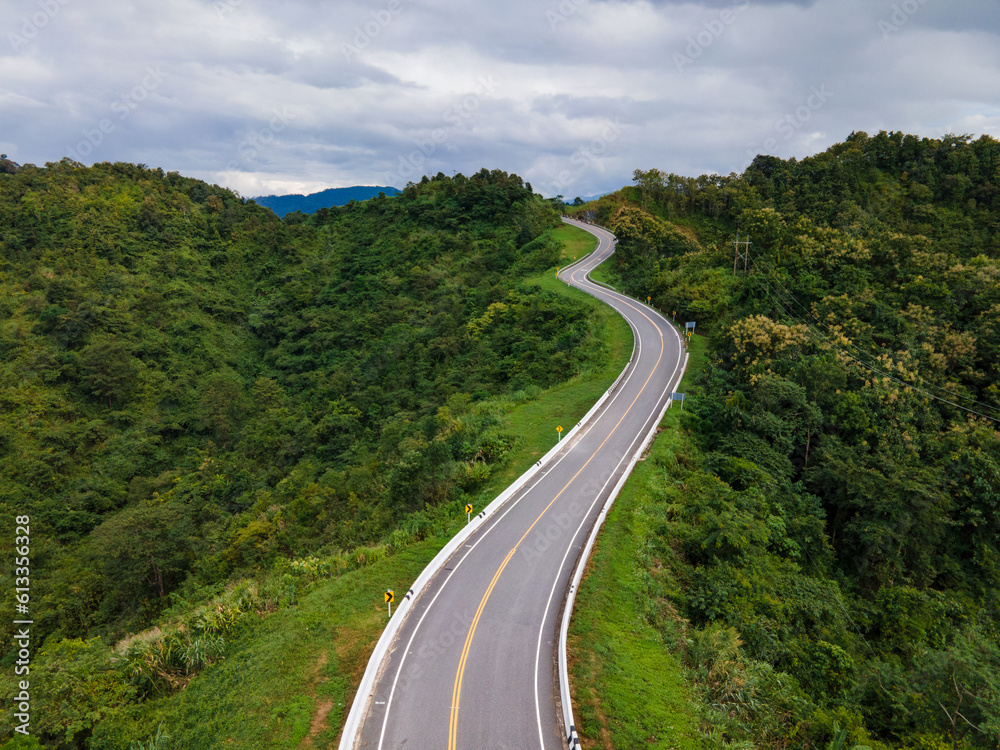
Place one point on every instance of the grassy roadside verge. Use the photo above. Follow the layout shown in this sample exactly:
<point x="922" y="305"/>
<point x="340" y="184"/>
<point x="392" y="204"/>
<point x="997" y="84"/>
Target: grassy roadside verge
<point x="576" y="243"/>
<point x="288" y="677"/>
<point x="629" y="688"/>
<point x="601" y="275"/>
<point x="565" y="404"/>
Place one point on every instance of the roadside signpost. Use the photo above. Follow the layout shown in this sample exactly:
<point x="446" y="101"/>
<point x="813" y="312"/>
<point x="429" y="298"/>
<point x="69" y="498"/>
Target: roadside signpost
<point x="468" y="513"/>
<point x="679" y="397"/>
<point x="559" y="433"/>
<point x="689" y="331"/>
<point x="389" y="598"/>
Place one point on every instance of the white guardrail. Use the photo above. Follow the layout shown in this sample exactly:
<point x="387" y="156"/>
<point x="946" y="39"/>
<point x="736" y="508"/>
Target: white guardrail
<point x="569" y="724"/>
<point x="363" y="698"/>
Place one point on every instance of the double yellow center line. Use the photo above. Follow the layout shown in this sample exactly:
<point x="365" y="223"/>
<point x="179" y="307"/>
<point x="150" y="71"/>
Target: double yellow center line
<point x="456" y="692"/>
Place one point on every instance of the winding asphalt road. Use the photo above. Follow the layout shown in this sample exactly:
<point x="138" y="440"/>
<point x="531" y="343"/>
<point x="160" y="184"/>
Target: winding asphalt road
<point x="474" y="662"/>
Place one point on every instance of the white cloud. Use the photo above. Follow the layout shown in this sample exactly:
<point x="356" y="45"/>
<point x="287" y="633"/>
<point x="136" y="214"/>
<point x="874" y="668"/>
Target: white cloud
<point x="312" y="94"/>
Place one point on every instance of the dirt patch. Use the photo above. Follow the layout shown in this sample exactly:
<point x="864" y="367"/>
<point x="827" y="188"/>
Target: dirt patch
<point x="320" y="663"/>
<point x="319" y="723"/>
<point x="323" y="708"/>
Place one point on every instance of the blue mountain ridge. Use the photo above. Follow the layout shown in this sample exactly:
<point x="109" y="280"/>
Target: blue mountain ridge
<point x="307" y="204"/>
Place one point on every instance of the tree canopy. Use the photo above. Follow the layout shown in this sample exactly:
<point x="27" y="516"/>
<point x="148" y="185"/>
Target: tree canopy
<point x="190" y="387"/>
<point x="840" y="508"/>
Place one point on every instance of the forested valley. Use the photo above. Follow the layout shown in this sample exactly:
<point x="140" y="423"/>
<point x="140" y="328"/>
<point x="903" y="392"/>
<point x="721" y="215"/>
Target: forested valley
<point x="208" y="412"/>
<point x="203" y="406"/>
<point x="823" y="554"/>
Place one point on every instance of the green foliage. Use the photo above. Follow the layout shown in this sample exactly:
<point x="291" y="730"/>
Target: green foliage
<point x="192" y="392"/>
<point x="107" y="370"/>
<point x="833" y="519"/>
<point x="22" y="742"/>
<point x="190" y="387"/>
<point x="156" y="742"/>
<point x="74" y="686"/>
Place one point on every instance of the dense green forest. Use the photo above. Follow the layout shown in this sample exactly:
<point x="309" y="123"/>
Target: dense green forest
<point x="205" y="410"/>
<point x="824" y="552"/>
<point x="193" y="392"/>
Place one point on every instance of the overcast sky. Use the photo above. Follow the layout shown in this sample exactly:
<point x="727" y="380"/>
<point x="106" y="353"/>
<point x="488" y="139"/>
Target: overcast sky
<point x="573" y="95"/>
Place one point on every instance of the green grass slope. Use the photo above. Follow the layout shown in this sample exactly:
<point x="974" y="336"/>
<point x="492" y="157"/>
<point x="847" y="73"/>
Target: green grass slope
<point x="819" y="548"/>
<point x="273" y="659"/>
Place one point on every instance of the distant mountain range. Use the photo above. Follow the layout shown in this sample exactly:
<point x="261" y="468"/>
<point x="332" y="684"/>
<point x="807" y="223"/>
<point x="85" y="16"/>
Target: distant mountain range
<point x="307" y="204"/>
<point x="585" y="199"/>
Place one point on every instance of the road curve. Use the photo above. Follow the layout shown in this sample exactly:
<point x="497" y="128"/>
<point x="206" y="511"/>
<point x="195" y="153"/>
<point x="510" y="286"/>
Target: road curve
<point x="472" y="664"/>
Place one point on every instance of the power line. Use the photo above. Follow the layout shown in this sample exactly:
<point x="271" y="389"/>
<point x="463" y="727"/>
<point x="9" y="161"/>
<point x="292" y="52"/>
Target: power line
<point x="744" y="256"/>
<point x="888" y="375"/>
<point x="774" y="275"/>
<point x="785" y="308"/>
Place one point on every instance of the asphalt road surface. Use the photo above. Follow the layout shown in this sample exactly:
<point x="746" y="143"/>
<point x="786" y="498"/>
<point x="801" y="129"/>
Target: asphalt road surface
<point x="474" y="663"/>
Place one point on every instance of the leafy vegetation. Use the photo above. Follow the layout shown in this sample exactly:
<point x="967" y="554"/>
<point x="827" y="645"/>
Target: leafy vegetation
<point x="230" y="430"/>
<point x="628" y="691"/>
<point x="206" y="412"/>
<point x="823" y="550"/>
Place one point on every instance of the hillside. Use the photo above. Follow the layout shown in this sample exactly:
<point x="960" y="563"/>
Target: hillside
<point x="195" y="395"/>
<point x="822" y="548"/>
<point x="330" y="198"/>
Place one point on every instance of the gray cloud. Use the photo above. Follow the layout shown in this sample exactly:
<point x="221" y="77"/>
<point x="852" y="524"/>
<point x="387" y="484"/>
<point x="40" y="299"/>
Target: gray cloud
<point x="571" y="94"/>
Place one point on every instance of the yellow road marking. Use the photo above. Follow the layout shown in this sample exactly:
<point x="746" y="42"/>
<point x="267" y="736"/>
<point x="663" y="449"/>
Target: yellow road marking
<point x="459" y="675"/>
<point x="457" y="690"/>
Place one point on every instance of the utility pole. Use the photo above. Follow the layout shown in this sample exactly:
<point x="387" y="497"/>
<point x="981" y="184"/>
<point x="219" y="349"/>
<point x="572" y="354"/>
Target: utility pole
<point x="744" y="256"/>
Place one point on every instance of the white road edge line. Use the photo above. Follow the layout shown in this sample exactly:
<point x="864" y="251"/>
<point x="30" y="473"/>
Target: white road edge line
<point x="565" y="696"/>
<point x="562" y="565"/>
<point x="545" y="467"/>
<point x="362" y="702"/>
